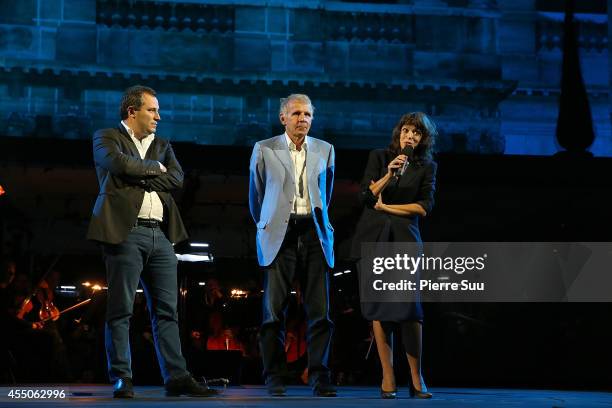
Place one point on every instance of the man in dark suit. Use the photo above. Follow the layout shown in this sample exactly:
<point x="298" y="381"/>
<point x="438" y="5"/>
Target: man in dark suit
<point x="291" y="182"/>
<point x="136" y="220"/>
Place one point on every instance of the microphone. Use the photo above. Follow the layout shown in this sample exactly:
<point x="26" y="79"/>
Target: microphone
<point x="407" y="151"/>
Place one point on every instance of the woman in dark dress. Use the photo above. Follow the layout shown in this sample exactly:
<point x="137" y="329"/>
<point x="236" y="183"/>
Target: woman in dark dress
<point x="392" y="208"/>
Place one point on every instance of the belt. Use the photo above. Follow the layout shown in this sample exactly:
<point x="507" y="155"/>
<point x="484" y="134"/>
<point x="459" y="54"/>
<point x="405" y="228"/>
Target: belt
<point x="149" y="223"/>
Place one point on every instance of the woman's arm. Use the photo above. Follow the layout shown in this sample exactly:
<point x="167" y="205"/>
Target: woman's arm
<point x="424" y="200"/>
<point x="376" y="187"/>
<point x="403" y="210"/>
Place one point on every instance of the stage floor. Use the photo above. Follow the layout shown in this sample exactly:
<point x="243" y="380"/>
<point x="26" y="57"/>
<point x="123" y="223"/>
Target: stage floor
<point x="255" y="396"/>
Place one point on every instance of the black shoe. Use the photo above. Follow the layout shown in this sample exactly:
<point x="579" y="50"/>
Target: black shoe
<point x="324" y="388"/>
<point x="388" y="394"/>
<point x="414" y="393"/>
<point x="276" y="387"/>
<point x="187" y="385"/>
<point x="123" y="388"/>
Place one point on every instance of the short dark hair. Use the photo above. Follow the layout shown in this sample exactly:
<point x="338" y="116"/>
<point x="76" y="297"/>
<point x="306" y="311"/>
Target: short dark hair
<point x="427" y="128"/>
<point x="133" y="97"/>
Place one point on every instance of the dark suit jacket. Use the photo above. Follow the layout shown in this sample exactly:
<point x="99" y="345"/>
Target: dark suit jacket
<point x="124" y="177"/>
<point x="417" y="185"/>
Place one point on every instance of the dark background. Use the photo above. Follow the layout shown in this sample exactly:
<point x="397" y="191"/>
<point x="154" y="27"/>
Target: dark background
<point x="488" y="72"/>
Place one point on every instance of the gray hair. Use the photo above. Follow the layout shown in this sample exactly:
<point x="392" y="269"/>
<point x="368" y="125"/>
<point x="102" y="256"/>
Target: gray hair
<point x="295" y="97"/>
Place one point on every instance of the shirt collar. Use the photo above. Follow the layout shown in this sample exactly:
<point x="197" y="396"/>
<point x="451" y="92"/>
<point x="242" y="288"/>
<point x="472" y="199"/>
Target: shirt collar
<point x="292" y="146"/>
<point x="131" y="133"/>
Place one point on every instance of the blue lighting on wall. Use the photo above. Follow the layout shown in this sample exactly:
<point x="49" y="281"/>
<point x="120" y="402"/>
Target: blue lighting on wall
<point x="488" y="71"/>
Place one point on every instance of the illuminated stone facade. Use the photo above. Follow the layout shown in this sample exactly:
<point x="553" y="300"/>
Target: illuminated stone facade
<point x="488" y="71"/>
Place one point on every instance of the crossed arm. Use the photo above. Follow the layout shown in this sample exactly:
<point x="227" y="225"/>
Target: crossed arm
<point x="400" y="209"/>
<point x="377" y="187"/>
<point x="170" y="180"/>
<point x="373" y="192"/>
<point x="145" y="173"/>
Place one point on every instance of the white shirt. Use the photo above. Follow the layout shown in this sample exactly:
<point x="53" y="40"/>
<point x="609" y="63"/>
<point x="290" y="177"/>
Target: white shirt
<point x="152" y="207"/>
<point x="301" y="201"/>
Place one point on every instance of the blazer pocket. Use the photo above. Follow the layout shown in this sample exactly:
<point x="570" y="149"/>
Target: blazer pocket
<point x="262" y="224"/>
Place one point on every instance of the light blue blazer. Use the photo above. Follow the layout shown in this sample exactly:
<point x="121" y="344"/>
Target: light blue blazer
<point x="272" y="190"/>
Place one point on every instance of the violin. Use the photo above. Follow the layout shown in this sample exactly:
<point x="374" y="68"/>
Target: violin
<point x="44" y="296"/>
<point x="48" y="311"/>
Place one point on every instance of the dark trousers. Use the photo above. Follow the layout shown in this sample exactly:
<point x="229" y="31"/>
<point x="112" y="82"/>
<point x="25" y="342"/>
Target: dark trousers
<point x="145" y="256"/>
<point x="300" y="258"/>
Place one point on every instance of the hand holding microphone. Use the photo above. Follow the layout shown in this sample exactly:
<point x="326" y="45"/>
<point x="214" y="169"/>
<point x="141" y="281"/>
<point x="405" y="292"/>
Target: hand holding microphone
<point x="396" y="164"/>
<point x="406" y="151"/>
<point x="399" y="165"/>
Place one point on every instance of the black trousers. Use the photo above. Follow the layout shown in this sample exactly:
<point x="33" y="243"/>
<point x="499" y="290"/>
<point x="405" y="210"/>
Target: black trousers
<point x="300" y="258"/>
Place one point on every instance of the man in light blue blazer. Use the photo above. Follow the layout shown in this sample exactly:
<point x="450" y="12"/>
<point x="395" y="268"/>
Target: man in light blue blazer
<point x="290" y="187"/>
